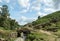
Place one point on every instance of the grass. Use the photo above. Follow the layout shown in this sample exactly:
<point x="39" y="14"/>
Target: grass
<point x="40" y="37"/>
<point x="5" y="34"/>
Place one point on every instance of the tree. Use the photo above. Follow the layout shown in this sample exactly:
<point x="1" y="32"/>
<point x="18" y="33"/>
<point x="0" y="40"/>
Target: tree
<point x="5" y="11"/>
<point x="5" y="21"/>
<point x="4" y="16"/>
<point x="13" y="24"/>
<point x="39" y="17"/>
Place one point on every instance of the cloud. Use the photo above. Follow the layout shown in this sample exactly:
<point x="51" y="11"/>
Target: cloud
<point x="24" y="20"/>
<point x="42" y="7"/>
<point x="48" y="2"/>
<point x="7" y="1"/>
<point x="56" y="4"/>
<point x="46" y="7"/>
<point x="0" y="6"/>
<point x="41" y="14"/>
<point x="24" y="3"/>
<point x="11" y="8"/>
<point x="24" y="11"/>
<point x="49" y="10"/>
<point x="0" y="0"/>
<point x="37" y="8"/>
<point x="52" y="5"/>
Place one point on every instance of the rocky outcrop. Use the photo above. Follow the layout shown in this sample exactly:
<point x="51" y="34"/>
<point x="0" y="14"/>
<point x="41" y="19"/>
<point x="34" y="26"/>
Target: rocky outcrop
<point x="13" y="34"/>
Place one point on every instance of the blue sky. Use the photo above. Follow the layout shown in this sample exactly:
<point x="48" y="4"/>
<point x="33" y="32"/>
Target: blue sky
<point x="25" y="11"/>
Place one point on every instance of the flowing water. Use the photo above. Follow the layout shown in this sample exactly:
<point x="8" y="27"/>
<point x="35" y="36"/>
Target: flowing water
<point x="22" y="38"/>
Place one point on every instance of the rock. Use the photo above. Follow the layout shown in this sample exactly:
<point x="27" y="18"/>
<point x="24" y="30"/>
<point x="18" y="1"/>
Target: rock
<point x="13" y="34"/>
<point x="2" y="39"/>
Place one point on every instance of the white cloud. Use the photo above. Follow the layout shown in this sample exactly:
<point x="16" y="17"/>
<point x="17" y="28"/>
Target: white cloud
<point x="0" y="6"/>
<point x="23" y="23"/>
<point x="56" y="4"/>
<point x="22" y="20"/>
<point x="41" y="14"/>
<point x="25" y="20"/>
<point x="23" y="11"/>
<point x="24" y="3"/>
<point x="49" y="10"/>
<point x="35" y="5"/>
<point x="0" y="0"/>
<point x="7" y="1"/>
<point x="47" y="1"/>
<point x="11" y="8"/>
<point x="46" y="7"/>
<point x="37" y="8"/>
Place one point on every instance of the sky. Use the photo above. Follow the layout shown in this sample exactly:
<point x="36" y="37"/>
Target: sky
<point x="26" y="11"/>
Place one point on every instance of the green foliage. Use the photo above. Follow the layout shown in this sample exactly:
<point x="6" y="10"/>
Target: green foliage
<point x="50" y="22"/>
<point x="48" y="18"/>
<point x="38" y="17"/>
<point x="38" y="37"/>
<point x="5" y="21"/>
<point x="5" y="34"/>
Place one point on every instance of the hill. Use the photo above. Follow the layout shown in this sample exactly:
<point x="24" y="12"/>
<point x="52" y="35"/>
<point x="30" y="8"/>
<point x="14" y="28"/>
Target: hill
<point x="47" y="25"/>
<point x="48" y="18"/>
<point x="51" y="21"/>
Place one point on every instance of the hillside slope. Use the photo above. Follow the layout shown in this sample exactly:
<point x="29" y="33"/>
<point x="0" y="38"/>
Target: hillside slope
<point x="48" y="18"/>
<point x="45" y="28"/>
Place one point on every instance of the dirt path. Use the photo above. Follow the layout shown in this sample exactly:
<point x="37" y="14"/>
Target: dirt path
<point x="46" y="32"/>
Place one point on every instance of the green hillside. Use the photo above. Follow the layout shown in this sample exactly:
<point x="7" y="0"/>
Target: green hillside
<point x="48" y="18"/>
<point x="47" y="28"/>
<point x="50" y="21"/>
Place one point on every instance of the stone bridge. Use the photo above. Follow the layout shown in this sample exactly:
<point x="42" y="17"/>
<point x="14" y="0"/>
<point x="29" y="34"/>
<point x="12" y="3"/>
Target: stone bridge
<point x="23" y="31"/>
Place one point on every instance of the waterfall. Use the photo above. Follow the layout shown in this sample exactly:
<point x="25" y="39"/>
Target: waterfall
<point x="23" y="36"/>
